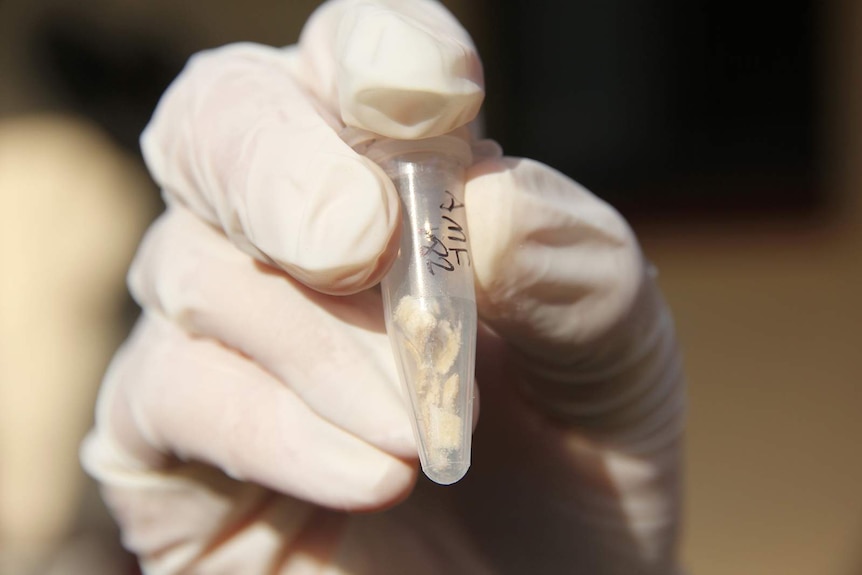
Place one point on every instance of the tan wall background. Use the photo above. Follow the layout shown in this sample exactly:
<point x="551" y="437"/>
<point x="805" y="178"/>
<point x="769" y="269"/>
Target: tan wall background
<point x="768" y="312"/>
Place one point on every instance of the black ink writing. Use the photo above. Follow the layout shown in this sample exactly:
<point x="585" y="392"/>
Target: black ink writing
<point x="437" y="247"/>
<point x="439" y="254"/>
<point x="458" y="252"/>
<point x="453" y="204"/>
<point x="436" y="255"/>
<point x="442" y="264"/>
<point x="456" y="229"/>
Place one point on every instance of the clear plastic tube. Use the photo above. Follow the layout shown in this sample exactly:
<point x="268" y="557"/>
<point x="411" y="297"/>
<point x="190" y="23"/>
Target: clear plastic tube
<point x="430" y="302"/>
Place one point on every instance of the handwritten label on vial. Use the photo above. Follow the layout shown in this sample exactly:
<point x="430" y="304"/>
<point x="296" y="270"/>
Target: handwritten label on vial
<point x="447" y="247"/>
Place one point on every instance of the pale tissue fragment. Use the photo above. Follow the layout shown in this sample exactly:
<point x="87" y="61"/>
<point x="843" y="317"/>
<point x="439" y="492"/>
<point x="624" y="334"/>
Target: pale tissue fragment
<point x="444" y="428"/>
<point x="450" y="391"/>
<point x="416" y="322"/>
<point x="446" y="356"/>
<point x="434" y="345"/>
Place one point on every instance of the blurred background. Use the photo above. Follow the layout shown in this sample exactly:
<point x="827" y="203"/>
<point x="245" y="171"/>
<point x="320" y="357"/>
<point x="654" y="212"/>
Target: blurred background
<point x="728" y="133"/>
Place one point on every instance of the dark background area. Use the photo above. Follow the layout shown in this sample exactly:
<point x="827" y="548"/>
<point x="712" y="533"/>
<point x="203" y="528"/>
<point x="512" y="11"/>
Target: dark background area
<point x="660" y="106"/>
<point x="696" y="105"/>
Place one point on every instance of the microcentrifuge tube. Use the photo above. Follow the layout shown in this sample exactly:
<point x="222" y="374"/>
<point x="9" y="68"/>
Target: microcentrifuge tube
<point x="429" y="299"/>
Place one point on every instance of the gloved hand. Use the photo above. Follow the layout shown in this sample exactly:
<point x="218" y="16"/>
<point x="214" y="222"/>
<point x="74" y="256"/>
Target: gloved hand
<point x="256" y="406"/>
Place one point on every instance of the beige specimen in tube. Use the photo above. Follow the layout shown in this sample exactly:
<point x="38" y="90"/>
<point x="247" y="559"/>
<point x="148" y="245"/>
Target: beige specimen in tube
<point x="434" y="345"/>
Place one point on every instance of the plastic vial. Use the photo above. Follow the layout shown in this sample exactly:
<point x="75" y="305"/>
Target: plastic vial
<point x="429" y="299"/>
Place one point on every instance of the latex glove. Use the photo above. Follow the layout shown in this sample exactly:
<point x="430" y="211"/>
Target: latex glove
<point x="249" y="413"/>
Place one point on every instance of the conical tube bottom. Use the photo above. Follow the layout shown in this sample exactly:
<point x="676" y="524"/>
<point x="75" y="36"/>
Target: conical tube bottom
<point x="435" y="340"/>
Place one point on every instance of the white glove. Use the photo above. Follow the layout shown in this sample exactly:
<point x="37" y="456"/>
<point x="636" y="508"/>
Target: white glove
<point x="250" y="413"/>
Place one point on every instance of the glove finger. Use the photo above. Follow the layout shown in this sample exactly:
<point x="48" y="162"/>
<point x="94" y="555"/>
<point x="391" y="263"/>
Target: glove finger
<point x="560" y="276"/>
<point x="405" y="70"/>
<point x="170" y="395"/>
<point x="192" y="518"/>
<point x="240" y="143"/>
<point x="556" y="268"/>
<point x="331" y="351"/>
